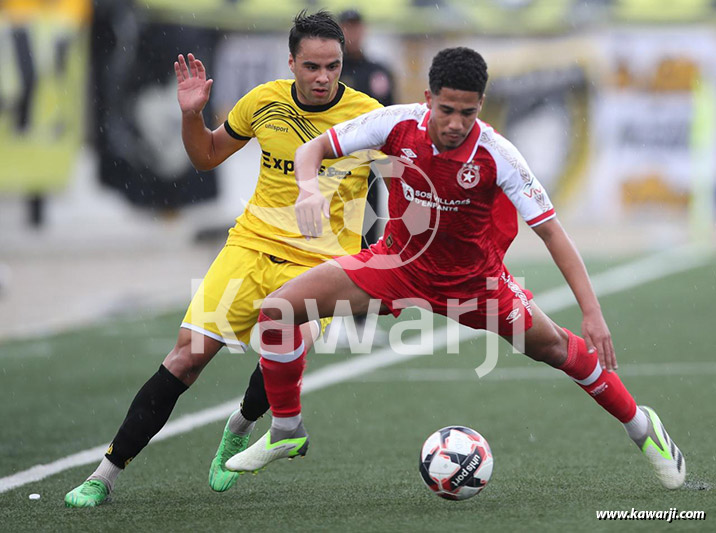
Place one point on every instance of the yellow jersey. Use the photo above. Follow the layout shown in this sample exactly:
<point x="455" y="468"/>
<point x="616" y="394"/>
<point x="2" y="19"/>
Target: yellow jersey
<point x="272" y="113"/>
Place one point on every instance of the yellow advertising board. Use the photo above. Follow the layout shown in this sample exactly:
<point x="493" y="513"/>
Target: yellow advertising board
<point x="44" y="53"/>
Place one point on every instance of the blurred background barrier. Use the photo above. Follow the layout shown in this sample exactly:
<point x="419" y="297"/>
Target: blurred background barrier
<point x="44" y="58"/>
<point x="610" y="101"/>
<point x="601" y="105"/>
<point x="136" y="123"/>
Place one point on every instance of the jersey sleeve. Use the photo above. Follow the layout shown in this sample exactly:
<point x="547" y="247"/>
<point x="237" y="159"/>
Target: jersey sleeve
<point x="238" y="123"/>
<point x="516" y="180"/>
<point x="370" y="130"/>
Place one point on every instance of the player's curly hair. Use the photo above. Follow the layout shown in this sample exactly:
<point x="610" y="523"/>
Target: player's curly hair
<point x="458" y="68"/>
<point x="320" y="24"/>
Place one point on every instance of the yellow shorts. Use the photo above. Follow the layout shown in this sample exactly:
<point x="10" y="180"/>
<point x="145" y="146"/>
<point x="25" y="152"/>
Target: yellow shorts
<point x="226" y="305"/>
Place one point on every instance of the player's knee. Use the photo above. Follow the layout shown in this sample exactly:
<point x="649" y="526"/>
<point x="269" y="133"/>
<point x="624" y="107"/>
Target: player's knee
<point x="552" y="351"/>
<point x="180" y="361"/>
<point x="274" y="305"/>
<point x="186" y="363"/>
<point x="272" y="313"/>
<point x="283" y="305"/>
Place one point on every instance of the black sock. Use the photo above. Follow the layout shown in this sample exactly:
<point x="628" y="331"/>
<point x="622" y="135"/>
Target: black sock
<point x="148" y="413"/>
<point x="255" y="402"/>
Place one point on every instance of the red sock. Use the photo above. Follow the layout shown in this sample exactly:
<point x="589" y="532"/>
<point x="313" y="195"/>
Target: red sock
<point x="283" y="358"/>
<point x="605" y="387"/>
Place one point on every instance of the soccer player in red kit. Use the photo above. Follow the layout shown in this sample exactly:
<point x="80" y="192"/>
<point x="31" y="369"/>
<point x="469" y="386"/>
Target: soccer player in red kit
<point x="473" y="182"/>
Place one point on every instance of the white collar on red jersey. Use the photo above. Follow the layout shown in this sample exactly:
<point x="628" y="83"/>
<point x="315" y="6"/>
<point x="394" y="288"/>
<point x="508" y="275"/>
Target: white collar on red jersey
<point x="464" y="153"/>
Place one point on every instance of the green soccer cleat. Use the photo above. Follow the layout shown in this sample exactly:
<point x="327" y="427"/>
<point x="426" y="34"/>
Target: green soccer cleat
<point x="274" y="444"/>
<point x="221" y="479"/>
<point x="90" y="494"/>
<point x="662" y="453"/>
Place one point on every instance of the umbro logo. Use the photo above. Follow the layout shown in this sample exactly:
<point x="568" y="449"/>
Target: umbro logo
<point x="408" y="153"/>
<point x="514" y="315"/>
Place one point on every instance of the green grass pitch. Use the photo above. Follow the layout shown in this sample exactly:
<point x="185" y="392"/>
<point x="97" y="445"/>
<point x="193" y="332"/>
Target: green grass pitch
<point x="558" y="457"/>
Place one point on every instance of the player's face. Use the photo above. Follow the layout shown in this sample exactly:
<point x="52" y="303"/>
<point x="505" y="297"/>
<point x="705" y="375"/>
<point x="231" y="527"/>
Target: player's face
<point x="452" y="116"/>
<point x="317" y="67"/>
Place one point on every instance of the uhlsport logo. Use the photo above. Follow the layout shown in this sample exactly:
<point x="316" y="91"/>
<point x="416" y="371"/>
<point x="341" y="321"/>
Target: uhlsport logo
<point x="467" y="470"/>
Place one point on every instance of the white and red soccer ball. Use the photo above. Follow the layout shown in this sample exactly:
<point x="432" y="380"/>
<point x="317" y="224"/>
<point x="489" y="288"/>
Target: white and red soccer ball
<point x="456" y="462"/>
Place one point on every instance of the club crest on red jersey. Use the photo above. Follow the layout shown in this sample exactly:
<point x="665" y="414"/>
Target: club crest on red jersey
<point x="469" y="175"/>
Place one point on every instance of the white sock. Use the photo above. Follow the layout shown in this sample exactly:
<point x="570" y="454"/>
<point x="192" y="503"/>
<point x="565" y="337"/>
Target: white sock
<point x="286" y="424"/>
<point x="107" y="473"/>
<point x="637" y="427"/>
<point x="239" y="425"/>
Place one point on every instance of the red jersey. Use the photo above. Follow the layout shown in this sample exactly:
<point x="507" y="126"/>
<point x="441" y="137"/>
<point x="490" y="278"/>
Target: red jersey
<point x="471" y="195"/>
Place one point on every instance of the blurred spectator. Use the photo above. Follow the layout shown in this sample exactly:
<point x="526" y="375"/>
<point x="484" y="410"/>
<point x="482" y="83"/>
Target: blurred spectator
<point x="359" y="72"/>
<point x="375" y="80"/>
<point x="366" y="76"/>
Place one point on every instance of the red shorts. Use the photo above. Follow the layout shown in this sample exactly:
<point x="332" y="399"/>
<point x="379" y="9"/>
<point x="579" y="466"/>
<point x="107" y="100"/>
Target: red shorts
<point x="503" y="306"/>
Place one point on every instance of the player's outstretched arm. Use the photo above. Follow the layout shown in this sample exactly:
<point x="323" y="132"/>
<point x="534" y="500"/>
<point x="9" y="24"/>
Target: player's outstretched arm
<point x="311" y="204"/>
<point x="567" y="258"/>
<point x="369" y="130"/>
<point x="205" y="148"/>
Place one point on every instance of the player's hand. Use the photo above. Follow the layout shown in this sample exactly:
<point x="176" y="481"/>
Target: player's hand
<point x="596" y="334"/>
<point x="310" y="205"/>
<point x="193" y="88"/>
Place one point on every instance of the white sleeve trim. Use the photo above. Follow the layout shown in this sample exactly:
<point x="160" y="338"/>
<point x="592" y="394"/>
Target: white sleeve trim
<point x="337" y="152"/>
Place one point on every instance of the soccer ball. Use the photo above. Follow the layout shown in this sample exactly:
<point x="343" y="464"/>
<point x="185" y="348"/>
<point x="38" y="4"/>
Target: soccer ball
<point x="456" y="462"/>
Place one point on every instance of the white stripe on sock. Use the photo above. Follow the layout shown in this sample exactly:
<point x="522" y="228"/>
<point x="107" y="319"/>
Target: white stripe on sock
<point x="591" y="378"/>
<point x="284" y="357"/>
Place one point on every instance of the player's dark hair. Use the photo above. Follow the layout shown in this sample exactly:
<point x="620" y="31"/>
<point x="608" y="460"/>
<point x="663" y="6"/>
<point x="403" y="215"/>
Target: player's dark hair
<point x="320" y="24"/>
<point x="458" y="68"/>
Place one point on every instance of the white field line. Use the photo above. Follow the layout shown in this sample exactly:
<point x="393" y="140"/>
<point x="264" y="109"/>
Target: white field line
<point x="532" y="373"/>
<point x="611" y="281"/>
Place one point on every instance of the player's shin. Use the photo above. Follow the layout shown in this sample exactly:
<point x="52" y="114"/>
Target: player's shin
<point x="147" y="414"/>
<point x="253" y="407"/>
<point x="642" y="424"/>
<point x="237" y="433"/>
<point x="283" y="358"/>
<point x="605" y="387"/>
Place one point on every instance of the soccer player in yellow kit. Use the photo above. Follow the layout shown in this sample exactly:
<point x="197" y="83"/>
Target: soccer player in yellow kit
<point x="265" y="247"/>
